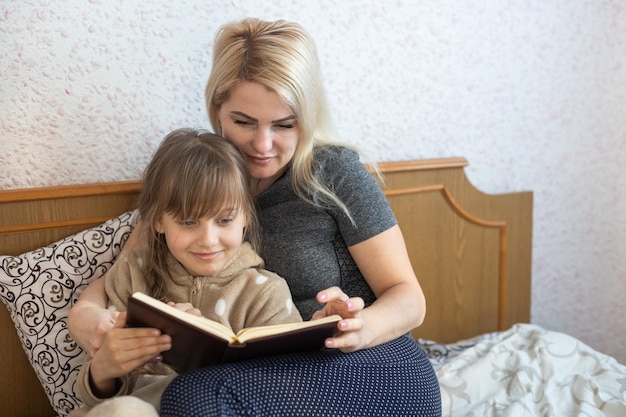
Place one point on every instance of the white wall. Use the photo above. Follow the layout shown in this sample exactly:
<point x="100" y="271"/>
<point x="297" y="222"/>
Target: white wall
<point x="532" y="93"/>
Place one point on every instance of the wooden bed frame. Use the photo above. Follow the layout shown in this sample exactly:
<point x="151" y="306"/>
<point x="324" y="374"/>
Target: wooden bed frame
<point x="470" y="250"/>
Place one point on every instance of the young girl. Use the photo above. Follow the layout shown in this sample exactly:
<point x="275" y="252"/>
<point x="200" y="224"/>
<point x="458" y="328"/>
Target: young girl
<point x="197" y="213"/>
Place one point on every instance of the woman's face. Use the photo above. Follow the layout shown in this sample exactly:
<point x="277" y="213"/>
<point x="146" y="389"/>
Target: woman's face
<point x="264" y="129"/>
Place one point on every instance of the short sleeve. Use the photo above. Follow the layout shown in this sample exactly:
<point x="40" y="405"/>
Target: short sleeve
<point x="342" y="172"/>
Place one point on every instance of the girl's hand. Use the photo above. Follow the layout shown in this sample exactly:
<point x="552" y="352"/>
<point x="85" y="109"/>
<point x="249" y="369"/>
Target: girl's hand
<point x="349" y="336"/>
<point x="123" y="350"/>
<point x="186" y="307"/>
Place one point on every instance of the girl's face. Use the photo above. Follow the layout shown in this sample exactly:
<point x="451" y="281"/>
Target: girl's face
<point x="264" y="129"/>
<point x="204" y="246"/>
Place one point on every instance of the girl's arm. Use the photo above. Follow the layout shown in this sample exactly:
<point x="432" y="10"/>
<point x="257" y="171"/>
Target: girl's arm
<point x="400" y="306"/>
<point x="123" y="350"/>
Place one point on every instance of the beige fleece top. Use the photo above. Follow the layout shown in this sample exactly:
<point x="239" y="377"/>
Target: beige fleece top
<point x="242" y="295"/>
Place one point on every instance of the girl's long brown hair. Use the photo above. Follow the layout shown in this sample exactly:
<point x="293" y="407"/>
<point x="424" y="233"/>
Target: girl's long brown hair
<point x="193" y="174"/>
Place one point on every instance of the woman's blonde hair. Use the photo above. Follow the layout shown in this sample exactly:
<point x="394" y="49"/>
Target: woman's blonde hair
<point x="281" y="56"/>
<point x="193" y="174"/>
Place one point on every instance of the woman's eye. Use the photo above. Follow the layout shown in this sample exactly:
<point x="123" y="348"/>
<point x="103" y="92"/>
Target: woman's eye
<point x="290" y="126"/>
<point x="240" y="122"/>
<point x="188" y="223"/>
<point x="224" y="222"/>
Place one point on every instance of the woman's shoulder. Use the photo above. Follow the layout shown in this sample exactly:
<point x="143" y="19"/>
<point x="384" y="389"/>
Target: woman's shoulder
<point x="331" y="159"/>
<point x="333" y="163"/>
<point x="334" y="154"/>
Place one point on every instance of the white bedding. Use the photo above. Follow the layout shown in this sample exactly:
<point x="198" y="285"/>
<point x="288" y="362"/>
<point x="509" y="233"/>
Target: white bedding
<point x="527" y="371"/>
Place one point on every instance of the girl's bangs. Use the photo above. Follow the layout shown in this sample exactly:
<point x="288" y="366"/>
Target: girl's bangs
<point x="209" y="197"/>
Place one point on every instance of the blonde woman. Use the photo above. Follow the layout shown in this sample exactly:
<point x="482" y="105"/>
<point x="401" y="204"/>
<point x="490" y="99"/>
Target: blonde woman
<point x="327" y="228"/>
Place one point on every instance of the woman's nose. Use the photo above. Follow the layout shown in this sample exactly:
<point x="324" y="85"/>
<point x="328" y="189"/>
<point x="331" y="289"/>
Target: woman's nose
<point x="262" y="141"/>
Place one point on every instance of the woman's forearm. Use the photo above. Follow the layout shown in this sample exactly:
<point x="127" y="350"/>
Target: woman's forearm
<point x="89" y="320"/>
<point x="93" y="296"/>
<point x="400" y="305"/>
<point x="397" y="311"/>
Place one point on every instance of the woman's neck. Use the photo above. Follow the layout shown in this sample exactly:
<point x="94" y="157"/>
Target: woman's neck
<point x="260" y="185"/>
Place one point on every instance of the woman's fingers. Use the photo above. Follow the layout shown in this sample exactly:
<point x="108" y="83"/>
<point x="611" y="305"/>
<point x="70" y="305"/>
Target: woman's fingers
<point x="331" y="294"/>
<point x="338" y="302"/>
<point x="349" y="335"/>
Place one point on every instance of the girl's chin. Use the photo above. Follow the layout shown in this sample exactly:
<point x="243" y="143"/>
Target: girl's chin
<point x="204" y="273"/>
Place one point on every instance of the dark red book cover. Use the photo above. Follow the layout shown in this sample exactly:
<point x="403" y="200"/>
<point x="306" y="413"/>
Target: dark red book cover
<point x="194" y="347"/>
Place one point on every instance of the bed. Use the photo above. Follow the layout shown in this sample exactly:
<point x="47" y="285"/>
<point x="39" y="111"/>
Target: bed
<point x="471" y="251"/>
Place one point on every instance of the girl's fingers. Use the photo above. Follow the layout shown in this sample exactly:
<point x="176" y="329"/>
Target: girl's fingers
<point x="120" y="321"/>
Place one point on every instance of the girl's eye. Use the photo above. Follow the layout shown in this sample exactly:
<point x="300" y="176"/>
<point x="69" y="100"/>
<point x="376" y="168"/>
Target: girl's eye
<point x="188" y="223"/>
<point x="224" y="222"/>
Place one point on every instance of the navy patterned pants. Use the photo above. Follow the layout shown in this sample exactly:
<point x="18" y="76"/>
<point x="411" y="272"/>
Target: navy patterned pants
<point x="395" y="379"/>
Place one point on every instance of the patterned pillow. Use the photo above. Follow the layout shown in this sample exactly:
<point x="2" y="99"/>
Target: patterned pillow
<point x="41" y="286"/>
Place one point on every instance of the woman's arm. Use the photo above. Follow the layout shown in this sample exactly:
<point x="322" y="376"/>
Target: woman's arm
<point x="400" y="306"/>
<point x="89" y="320"/>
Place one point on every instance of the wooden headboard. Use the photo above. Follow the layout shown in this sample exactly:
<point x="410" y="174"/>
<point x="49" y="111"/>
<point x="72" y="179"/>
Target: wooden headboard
<point x="471" y="252"/>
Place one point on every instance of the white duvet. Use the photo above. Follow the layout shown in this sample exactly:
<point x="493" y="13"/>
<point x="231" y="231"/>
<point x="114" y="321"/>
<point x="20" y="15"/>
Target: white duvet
<point x="529" y="371"/>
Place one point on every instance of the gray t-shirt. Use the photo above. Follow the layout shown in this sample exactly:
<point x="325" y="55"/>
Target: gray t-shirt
<point x="307" y="245"/>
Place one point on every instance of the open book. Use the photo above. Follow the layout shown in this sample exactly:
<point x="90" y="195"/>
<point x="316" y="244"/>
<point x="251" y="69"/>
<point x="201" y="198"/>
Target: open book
<point x="199" y="342"/>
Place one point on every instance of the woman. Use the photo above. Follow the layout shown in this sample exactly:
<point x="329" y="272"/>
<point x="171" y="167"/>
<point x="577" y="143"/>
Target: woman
<point x="326" y="228"/>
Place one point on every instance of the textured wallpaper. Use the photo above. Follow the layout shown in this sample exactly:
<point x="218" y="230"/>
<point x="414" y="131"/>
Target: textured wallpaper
<point x="532" y="93"/>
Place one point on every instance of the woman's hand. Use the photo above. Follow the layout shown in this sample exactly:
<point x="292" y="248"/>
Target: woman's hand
<point x="89" y="321"/>
<point x="89" y="337"/>
<point x="123" y="350"/>
<point x="349" y="336"/>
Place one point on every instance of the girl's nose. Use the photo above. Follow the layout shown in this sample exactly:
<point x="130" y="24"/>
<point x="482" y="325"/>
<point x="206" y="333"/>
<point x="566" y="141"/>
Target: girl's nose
<point x="207" y="234"/>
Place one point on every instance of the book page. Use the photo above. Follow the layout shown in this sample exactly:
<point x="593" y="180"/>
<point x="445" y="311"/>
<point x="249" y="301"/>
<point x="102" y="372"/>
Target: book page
<point x="200" y="322"/>
<point x="250" y="333"/>
<point x="226" y="333"/>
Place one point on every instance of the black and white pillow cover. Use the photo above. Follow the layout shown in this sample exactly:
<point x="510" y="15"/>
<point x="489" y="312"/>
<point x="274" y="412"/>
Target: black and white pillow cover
<point x="41" y="286"/>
